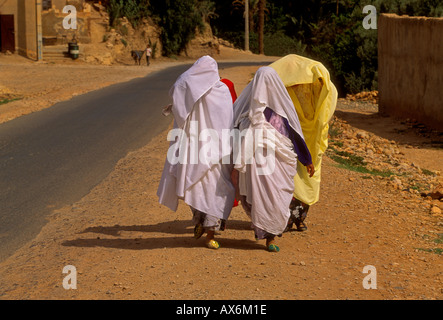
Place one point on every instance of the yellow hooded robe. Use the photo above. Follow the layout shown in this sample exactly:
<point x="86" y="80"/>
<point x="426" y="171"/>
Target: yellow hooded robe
<point x="315" y="98"/>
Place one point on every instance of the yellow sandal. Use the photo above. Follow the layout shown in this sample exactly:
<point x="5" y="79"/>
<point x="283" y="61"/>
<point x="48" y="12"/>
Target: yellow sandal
<point x="212" y="244"/>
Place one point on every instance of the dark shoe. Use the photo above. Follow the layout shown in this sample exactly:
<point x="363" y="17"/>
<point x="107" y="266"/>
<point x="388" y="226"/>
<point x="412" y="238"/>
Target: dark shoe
<point x="299" y="211"/>
<point x="300" y="225"/>
<point x="198" y="231"/>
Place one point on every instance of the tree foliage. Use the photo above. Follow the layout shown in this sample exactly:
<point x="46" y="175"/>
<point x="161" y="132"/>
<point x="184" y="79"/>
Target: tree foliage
<point x="133" y="10"/>
<point x="178" y="20"/>
<point x="330" y="31"/>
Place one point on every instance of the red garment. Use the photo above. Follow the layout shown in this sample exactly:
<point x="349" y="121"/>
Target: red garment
<point x="230" y="85"/>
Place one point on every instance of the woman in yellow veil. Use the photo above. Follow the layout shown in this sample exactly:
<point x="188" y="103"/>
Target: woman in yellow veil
<point x="315" y="97"/>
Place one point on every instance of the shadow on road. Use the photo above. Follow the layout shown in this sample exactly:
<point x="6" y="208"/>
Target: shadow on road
<point x="391" y="128"/>
<point x="178" y="227"/>
<point x="161" y="243"/>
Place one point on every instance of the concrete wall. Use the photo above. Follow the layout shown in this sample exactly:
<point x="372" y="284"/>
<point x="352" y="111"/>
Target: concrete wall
<point x="410" y="68"/>
<point x="27" y="28"/>
<point x="26" y="21"/>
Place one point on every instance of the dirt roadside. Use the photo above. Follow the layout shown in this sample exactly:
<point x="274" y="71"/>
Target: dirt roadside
<point x="125" y="245"/>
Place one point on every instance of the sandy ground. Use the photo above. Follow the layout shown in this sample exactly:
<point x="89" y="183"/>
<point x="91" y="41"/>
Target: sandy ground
<point x="125" y="245"/>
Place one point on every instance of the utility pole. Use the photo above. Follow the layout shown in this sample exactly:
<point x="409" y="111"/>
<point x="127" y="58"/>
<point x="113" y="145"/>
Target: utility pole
<point x="38" y="28"/>
<point x="246" y="25"/>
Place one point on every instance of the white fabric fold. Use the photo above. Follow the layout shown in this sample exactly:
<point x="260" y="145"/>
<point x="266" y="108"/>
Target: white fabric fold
<point x="191" y="86"/>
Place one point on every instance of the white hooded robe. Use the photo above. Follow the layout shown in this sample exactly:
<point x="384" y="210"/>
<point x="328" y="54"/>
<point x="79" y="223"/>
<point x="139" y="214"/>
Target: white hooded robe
<point x="269" y="195"/>
<point x="202" y="108"/>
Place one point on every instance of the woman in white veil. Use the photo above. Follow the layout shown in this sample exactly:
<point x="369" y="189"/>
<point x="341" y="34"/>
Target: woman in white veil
<point x="202" y="108"/>
<point x="265" y="183"/>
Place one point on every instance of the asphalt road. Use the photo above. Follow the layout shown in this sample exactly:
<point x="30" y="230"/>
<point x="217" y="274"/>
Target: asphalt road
<point x="54" y="157"/>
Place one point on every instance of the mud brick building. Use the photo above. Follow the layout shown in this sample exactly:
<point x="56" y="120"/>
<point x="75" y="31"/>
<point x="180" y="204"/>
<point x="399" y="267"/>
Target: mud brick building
<point x="27" y="26"/>
<point x="410" y="68"/>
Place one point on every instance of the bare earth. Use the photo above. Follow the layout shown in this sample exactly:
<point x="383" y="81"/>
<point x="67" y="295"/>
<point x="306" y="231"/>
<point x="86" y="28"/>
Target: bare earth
<point x="125" y="245"/>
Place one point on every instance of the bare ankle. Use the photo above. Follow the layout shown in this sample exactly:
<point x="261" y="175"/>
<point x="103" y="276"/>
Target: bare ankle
<point x="210" y="235"/>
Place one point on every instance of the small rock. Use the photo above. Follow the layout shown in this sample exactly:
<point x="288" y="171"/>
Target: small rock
<point x="397" y="182"/>
<point x="362" y="135"/>
<point x="388" y="151"/>
<point x="437" y="193"/>
<point x="435" y="210"/>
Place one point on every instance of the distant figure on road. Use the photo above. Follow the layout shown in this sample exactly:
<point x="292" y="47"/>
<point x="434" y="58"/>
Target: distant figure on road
<point x="200" y="103"/>
<point x="264" y="106"/>
<point x="148" y="54"/>
<point x="314" y="97"/>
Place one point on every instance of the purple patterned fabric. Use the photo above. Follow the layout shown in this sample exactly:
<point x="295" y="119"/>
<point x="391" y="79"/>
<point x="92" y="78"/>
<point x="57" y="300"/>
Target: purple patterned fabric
<point x="281" y="125"/>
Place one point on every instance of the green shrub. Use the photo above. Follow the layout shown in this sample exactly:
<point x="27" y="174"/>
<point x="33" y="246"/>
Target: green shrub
<point x="279" y="44"/>
<point x="133" y="10"/>
<point x="4" y="101"/>
<point x="123" y="30"/>
<point x="178" y="21"/>
<point x="275" y="44"/>
<point x="115" y="11"/>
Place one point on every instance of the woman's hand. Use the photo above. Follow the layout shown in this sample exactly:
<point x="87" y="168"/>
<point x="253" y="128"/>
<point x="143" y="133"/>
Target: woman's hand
<point x="166" y="110"/>
<point x="311" y="170"/>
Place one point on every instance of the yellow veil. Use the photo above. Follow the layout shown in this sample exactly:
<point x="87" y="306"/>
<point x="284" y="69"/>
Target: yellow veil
<point x="315" y="98"/>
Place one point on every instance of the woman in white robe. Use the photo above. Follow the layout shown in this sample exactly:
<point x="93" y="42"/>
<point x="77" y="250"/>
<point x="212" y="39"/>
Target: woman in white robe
<point x="194" y="170"/>
<point x="265" y="187"/>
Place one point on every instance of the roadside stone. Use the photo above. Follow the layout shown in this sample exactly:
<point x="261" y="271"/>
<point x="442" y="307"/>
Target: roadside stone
<point x="397" y="183"/>
<point x="362" y="135"/>
<point x="437" y="193"/>
<point x="388" y="151"/>
<point x="435" y="210"/>
<point x="384" y="155"/>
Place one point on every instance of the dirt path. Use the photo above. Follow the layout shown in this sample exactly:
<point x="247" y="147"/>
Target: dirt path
<point x="124" y="245"/>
